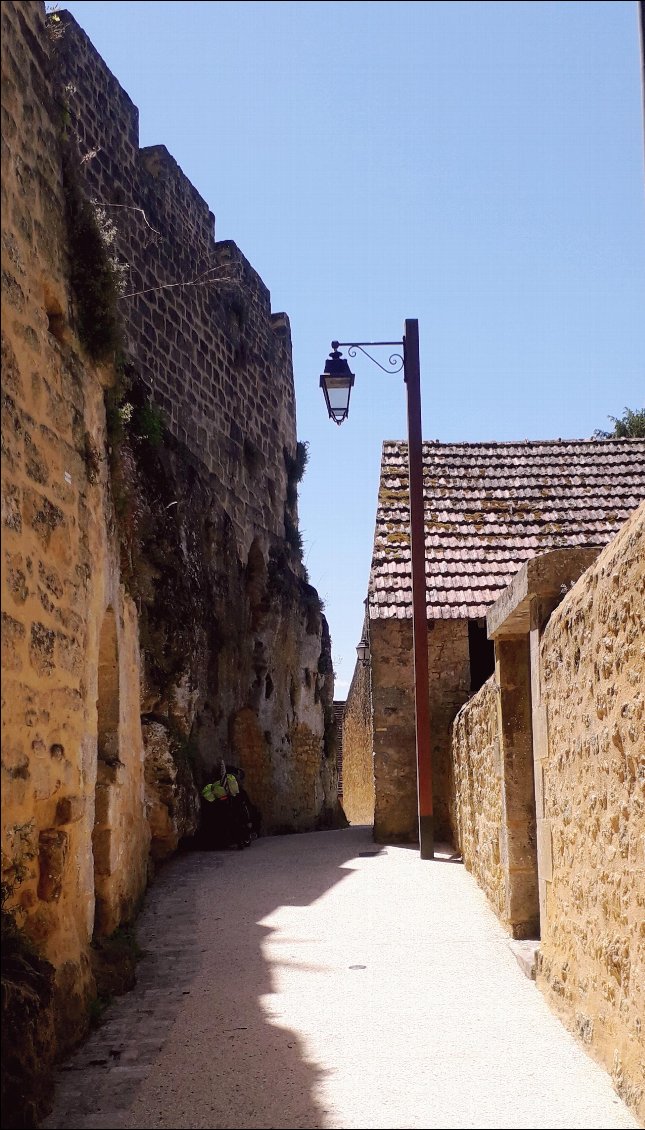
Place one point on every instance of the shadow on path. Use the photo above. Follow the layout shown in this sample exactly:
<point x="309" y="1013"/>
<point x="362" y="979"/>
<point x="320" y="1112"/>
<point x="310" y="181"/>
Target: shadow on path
<point x="192" y="1044"/>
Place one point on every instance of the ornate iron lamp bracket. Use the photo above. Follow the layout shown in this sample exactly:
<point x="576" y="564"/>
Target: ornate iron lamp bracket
<point x="395" y="360"/>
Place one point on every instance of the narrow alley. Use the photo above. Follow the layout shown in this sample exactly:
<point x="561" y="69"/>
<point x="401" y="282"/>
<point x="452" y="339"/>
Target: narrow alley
<point x="319" y="981"/>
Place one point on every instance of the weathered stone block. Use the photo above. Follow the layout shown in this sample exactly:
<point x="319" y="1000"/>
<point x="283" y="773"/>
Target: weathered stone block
<point x="70" y="809"/>
<point x="104" y="851"/>
<point x="36" y="466"/>
<point x="545" y="849"/>
<point x="17" y="578"/>
<point x="540" y="732"/>
<point x="522" y="905"/>
<point x="41" y="649"/>
<point x="542" y="577"/>
<point x="44" y="518"/>
<point x="52" y="856"/>
<point x="521" y="847"/>
<point x="12" y="507"/>
<point x="13" y="634"/>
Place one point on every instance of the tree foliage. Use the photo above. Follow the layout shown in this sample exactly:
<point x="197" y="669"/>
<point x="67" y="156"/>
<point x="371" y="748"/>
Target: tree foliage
<point x="630" y="425"/>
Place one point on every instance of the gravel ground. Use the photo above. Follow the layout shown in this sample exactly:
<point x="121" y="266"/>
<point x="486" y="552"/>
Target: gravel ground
<point x="302" y="983"/>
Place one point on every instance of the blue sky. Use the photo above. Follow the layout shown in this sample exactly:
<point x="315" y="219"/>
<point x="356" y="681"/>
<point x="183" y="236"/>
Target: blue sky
<point x="478" y="166"/>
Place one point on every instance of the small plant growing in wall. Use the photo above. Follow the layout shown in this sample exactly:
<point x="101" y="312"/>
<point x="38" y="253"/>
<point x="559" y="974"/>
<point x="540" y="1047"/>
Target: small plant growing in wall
<point x="95" y="274"/>
<point x="292" y="535"/>
<point x="130" y="414"/>
<point x="148" y="424"/>
<point x="295" y="466"/>
<point x="54" y="23"/>
<point x="143" y="422"/>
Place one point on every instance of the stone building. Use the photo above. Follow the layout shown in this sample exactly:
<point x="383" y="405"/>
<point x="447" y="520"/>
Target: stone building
<point x="156" y="612"/>
<point x="548" y="761"/>
<point x="489" y="508"/>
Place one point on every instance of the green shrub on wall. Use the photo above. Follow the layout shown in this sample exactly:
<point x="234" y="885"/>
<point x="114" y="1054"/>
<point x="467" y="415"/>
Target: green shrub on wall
<point x="94" y="273"/>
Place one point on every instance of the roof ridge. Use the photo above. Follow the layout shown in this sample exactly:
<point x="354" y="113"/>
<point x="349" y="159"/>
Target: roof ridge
<point x="517" y="442"/>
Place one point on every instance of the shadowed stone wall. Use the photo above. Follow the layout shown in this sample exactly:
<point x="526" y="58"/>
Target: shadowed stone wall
<point x="477" y="799"/>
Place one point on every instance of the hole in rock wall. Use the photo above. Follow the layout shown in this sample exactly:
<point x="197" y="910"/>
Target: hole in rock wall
<point x="256" y="582"/>
<point x="108" y="763"/>
<point x="108" y="691"/>
<point x="56" y="324"/>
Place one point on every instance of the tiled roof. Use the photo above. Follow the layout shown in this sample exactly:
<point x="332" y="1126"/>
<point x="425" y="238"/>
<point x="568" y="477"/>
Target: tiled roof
<point x="338" y="712"/>
<point x="489" y="507"/>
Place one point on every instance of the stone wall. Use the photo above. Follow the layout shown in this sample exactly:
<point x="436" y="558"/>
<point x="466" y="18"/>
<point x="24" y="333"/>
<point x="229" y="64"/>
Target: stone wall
<point x="565" y="711"/>
<point x="153" y="592"/>
<point x="493" y="805"/>
<point x="592" y="810"/>
<point x="477" y="810"/>
<point x="75" y="837"/>
<point x="282" y="735"/>
<point x="395" y="771"/>
<point x="392" y="672"/>
<point x="204" y="344"/>
<point x="216" y="359"/>
<point x="449" y="671"/>
<point x="358" y="761"/>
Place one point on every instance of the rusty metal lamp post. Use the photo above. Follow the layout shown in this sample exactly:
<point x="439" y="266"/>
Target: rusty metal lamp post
<point x="337" y="382"/>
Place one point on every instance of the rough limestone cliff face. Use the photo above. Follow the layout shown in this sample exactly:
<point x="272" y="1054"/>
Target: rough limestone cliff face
<point x="156" y="615"/>
<point x="250" y="681"/>
<point x="592" y="963"/>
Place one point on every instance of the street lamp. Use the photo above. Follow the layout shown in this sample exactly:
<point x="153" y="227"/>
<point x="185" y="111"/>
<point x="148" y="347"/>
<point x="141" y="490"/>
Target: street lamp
<point x="336" y="382"/>
<point x="363" y="652"/>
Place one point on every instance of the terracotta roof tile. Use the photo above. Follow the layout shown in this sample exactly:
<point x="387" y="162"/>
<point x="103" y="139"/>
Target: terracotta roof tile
<point x="489" y="507"/>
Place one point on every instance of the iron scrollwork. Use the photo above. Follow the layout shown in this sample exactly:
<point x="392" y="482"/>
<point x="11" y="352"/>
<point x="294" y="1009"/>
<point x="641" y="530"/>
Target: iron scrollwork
<point x="395" y="360"/>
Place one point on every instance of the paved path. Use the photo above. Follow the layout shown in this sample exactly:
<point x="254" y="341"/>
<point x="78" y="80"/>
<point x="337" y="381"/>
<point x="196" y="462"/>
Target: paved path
<point x="303" y="984"/>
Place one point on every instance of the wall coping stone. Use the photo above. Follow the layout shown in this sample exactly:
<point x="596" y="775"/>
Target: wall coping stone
<point x="542" y="576"/>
